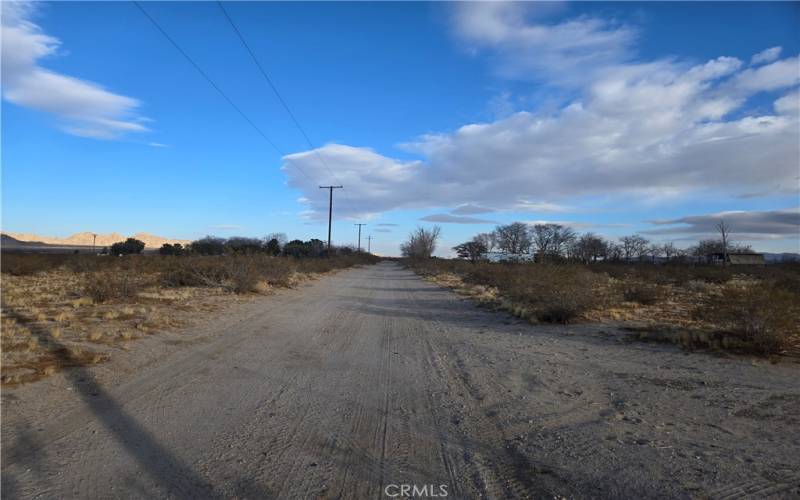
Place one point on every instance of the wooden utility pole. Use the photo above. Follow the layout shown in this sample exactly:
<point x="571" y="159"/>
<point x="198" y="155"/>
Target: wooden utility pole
<point x="94" y="240"/>
<point x="369" y="244"/>
<point x="359" y="235"/>
<point x="330" y="210"/>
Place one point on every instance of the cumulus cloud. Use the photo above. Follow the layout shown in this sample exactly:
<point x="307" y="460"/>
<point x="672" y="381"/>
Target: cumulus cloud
<point x="455" y="219"/>
<point x="766" y="55"/>
<point x="83" y="108"/>
<point x="744" y="224"/>
<point x="642" y="130"/>
<point x="373" y="183"/>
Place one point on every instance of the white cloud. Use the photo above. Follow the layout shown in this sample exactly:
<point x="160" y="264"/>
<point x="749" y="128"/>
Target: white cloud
<point x="771" y="224"/>
<point x="157" y="145"/>
<point x="527" y="48"/>
<point x="373" y="183"/>
<point x="645" y="131"/>
<point x="83" y="108"/>
<point x="766" y="55"/>
<point x="650" y="131"/>
<point x="455" y="219"/>
<point x="470" y="209"/>
<point x="788" y="104"/>
<point x="774" y="76"/>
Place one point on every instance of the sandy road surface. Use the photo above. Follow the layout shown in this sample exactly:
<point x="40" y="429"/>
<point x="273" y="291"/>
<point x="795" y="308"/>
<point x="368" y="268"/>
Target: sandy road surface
<point x="372" y="378"/>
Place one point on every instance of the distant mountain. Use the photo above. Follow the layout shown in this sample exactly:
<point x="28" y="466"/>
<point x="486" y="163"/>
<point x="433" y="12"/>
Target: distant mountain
<point x="85" y="239"/>
<point x="7" y="240"/>
<point x="782" y="257"/>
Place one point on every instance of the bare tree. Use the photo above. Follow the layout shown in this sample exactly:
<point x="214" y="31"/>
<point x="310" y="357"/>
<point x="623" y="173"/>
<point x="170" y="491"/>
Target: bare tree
<point x="421" y="242"/>
<point x="551" y="239"/>
<point x="562" y="239"/>
<point x="669" y="250"/>
<point x="654" y="251"/>
<point x="473" y="250"/>
<point x="724" y="236"/>
<point x="633" y="246"/>
<point x="543" y="235"/>
<point x="281" y="238"/>
<point x="489" y="240"/>
<point x="589" y="247"/>
<point x="514" y="238"/>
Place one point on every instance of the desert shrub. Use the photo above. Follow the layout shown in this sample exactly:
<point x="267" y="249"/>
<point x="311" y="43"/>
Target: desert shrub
<point x="642" y="293"/>
<point x="296" y="248"/>
<point x="675" y="273"/>
<point x="565" y="292"/>
<point x="243" y="274"/>
<point x="551" y="293"/>
<point x="127" y="247"/>
<point x="242" y="245"/>
<point x="170" y="249"/>
<point x="18" y="264"/>
<point x="277" y="272"/>
<point x="108" y="285"/>
<point x="208" y="246"/>
<point x="763" y="316"/>
<point x="194" y="271"/>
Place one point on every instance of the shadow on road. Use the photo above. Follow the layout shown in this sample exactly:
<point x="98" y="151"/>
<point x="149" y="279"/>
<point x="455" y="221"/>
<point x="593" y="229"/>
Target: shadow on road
<point x="174" y="478"/>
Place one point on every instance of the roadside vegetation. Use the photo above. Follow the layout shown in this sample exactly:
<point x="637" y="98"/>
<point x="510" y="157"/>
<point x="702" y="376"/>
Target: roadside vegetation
<point x="61" y="309"/>
<point x="658" y="293"/>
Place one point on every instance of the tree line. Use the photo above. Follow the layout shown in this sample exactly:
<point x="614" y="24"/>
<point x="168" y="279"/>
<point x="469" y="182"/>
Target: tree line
<point x="556" y="242"/>
<point x="275" y="244"/>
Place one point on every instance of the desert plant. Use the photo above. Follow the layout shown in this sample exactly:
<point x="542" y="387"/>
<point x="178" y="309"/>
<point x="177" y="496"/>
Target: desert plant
<point x="642" y="293"/>
<point x="209" y="245"/>
<point x="243" y="274"/>
<point x="421" y="243"/>
<point x="108" y="285"/>
<point x="763" y="316"/>
<point x="170" y="249"/>
<point x="127" y="247"/>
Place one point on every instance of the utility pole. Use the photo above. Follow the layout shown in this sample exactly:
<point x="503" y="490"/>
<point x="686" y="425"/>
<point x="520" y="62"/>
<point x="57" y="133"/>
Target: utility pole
<point x="94" y="240"/>
<point x="359" y="235"/>
<point x="369" y="244"/>
<point x="330" y="210"/>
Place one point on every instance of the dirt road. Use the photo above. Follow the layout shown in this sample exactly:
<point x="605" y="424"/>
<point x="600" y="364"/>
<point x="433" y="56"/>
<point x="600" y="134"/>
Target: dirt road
<point x="372" y="379"/>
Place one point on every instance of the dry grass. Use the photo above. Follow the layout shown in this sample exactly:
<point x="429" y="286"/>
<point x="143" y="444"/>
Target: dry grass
<point x="62" y="310"/>
<point x="751" y="310"/>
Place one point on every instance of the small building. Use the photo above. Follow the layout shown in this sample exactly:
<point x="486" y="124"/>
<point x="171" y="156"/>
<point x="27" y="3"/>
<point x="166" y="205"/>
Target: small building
<point x="507" y="257"/>
<point x="738" y="258"/>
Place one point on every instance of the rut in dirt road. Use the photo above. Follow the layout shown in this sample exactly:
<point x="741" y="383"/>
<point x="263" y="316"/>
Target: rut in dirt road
<point x="372" y="379"/>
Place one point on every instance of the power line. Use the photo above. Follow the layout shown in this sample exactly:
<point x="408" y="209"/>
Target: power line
<point x="216" y="87"/>
<point x="277" y="93"/>
<point x="273" y="87"/>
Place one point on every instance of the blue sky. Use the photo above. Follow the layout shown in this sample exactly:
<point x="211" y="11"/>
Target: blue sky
<point x="611" y="117"/>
